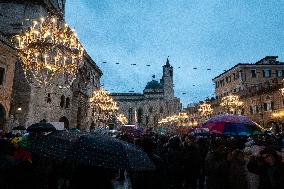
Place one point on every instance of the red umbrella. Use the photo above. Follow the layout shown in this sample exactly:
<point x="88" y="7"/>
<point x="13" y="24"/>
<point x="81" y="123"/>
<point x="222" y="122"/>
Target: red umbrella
<point x="230" y="124"/>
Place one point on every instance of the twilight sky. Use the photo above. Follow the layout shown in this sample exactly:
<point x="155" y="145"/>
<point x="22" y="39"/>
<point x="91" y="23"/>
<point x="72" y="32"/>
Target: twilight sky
<point x="202" y="34"/>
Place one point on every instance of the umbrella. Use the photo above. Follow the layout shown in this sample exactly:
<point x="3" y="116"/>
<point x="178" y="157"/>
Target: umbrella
<point x="19" y="128"/>
<point x="56" y="145"/>
<point x="41" y="127"/>
<point x="231" y="125"/>
<point x="92" y="149"/>
<point x="108" y="152"/>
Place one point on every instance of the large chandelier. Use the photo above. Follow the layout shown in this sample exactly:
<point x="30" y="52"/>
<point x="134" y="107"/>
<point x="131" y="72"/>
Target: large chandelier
<point x="50" y="52"/>
<point x="205" y="109"/>
<point x="102" y="101"/>
<point x="231" y="103"/>
<point x="122" y="119"/>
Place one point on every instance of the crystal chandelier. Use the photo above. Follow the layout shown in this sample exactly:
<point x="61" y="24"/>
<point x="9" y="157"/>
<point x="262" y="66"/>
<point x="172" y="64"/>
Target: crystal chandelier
<point x="205" y="109"/>
<point x="231" y="103"/>
<point x="50" y="52"/>
<point x="104" y="103"/>
<point x="122" y="119"/>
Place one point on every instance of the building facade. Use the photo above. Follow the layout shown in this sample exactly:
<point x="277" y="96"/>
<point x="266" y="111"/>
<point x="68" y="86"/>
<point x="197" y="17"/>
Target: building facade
<point x="156" y="102"/>
<point x="7" y="65"/>
<point x="258" y="86"/>
<point x="31" y="104"/>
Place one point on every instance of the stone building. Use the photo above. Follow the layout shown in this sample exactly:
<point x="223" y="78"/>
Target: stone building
<point x="7" y="63"/>
<point x="157" y="101"/>
<point x="258" y="86"/>
<point x="31" y="104"/>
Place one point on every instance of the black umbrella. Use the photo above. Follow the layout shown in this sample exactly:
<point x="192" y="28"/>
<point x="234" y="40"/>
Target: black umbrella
<point x="108" y="152"/>
<point x="19" y="128"/>
<point x="92" y="149"/>
<point x="41" y="127"/>
<point x="56" y="145"/>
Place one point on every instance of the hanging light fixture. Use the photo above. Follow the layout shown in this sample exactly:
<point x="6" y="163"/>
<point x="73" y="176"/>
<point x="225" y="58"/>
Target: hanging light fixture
<point x="231" y="103"/>
<point x="205" y="109"/>
<point x="104" y="103"/>
<point x="50" y="52"/>
<point x="122" y="119"/>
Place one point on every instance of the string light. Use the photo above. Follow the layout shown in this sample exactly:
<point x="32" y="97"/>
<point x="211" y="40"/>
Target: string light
<point x="174" y="118"/>
<point x="231" y="103"/>
<point x="50" y="52"/>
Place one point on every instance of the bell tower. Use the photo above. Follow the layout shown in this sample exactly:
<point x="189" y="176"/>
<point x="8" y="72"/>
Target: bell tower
<point x="167" y="80"/>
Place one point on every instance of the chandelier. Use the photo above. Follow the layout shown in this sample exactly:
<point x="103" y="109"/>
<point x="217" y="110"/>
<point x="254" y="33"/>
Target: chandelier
<point x="121" y="119"/>
<point x="205" y="109"/>
<point x="231" y="103"/>
<point x="103" y="102"/>
<point x="50" y="52"/>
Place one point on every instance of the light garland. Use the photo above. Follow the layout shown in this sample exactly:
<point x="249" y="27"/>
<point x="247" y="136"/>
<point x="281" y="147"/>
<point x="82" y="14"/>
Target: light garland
<point x="174" y="118"/>
<point x="50" y="51"/>
<point x="231" y="103"/>
<point x="103" y="102"/>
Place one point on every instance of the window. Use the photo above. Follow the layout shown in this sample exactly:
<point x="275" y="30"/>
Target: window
<point x="268" y="106"/>
<point x="251" y="110"/>
<point x="254" y="109"/>
<point x="266" y="72"/>
<point x="234" y="76"/>
<point x="48" y="98"/>
<point x="150" y="110"/>
<point x="62" y="101"/>
<point x="171" y="73"/>
<point x="161" y="110"/>
<point x="2" y="72"/>
<point x="147" y="120"/>
<point x="67" y="102"/>
<point x="279" y="73"/>
<point x="253" y="73"/>
<point x="130" y="115"/>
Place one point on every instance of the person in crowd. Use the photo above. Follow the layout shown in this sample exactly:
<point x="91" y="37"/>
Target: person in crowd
<point x="237" y="170"/>
<point x="191" y="162"/>
<point x="269" y="167"/>
<point x="216" y="168"/>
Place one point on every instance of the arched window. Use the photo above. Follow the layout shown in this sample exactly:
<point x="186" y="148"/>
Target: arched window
<point x="67" y="102"/>
<point x="62" y="101"/>
<point x="161" y="110"/>
<point x="130" y="115"/>
<point x="140" y="116"/>
<point x="150" y="109"/>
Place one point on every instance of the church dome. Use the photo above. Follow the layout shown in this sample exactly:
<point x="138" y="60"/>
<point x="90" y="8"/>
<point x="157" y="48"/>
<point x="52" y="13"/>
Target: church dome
<point x="153" y="85"/>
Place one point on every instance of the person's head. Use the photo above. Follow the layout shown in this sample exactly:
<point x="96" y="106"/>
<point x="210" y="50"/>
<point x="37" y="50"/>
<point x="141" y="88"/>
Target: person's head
<point x="269" y="156"/>
<point x="237" y="155"/>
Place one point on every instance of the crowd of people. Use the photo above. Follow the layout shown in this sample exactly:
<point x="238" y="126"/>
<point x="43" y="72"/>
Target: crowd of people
<point x="181" y="161"/>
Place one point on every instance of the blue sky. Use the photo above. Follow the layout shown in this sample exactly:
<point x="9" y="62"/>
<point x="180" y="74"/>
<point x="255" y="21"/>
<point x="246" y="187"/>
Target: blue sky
<point x="211" y="34"/>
